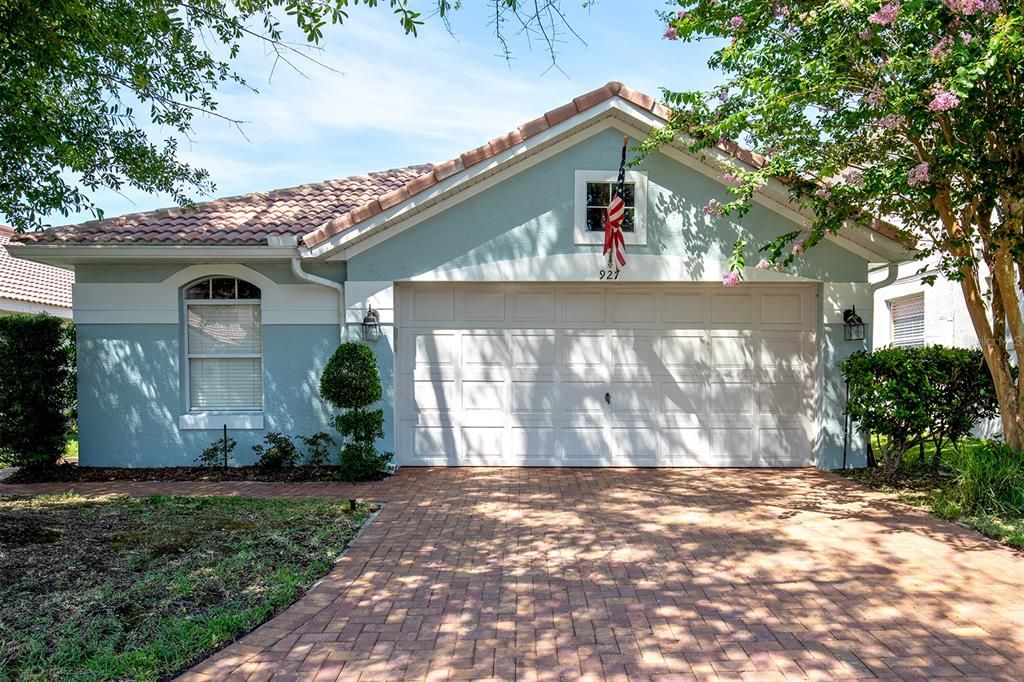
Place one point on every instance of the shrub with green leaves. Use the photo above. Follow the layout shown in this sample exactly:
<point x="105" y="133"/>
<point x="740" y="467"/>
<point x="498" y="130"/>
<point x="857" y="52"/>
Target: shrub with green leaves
<point x="218" y="453"/>
<point x="912" y="395"/>
<point x="351" y="382"/>
<point x="318" y="448"/>
<point x="36" y="389"/>
<point x="279" y="451"/>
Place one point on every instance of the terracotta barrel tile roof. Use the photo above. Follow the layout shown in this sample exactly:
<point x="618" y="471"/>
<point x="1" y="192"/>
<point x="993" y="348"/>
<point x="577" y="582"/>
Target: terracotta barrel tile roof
<point x="24" y="280"/>
<point x="243" y="220"/>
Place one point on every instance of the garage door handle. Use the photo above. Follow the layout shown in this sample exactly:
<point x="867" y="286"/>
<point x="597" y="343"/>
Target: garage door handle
<point x="608" y="398"/>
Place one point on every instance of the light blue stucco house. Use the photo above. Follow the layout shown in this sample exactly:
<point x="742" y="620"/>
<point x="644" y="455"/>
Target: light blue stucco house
<point x="503" y="339"/>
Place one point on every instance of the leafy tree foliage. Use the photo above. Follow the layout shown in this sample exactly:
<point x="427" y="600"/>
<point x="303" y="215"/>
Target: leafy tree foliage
<point x="910" y="109"/>
<point x="81" y="79"/>
<point x="35" y="389"/>
<point x="912" y="395"/>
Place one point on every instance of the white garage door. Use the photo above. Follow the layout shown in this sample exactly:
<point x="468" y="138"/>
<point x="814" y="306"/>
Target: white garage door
<point x="685" y="375"/>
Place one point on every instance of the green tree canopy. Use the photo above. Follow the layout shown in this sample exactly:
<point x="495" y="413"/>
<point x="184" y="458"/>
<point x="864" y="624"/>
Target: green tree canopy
<point x="84" y="82"/>
<point x="912" y="110"/>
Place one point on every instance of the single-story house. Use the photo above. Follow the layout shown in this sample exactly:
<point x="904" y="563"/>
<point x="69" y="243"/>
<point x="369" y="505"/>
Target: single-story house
<point x="32" y="288"/>
<point x="504" y="339"/>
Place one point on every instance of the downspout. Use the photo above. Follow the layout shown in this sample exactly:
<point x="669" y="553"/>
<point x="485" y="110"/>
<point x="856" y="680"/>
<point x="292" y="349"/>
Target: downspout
<point x="297" y="270"/>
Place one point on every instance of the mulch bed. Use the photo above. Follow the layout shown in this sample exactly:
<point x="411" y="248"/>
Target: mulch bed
<point x="72" y="473"/>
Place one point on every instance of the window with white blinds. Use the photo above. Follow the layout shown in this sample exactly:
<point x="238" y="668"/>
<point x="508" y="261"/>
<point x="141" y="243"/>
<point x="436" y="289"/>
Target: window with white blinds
<point x="907" y="321"/>
<point x="224" y="345"/>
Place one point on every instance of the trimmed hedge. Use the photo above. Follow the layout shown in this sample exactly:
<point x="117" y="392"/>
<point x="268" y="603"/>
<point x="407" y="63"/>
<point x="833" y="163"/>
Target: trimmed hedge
<point x="915" y="395"/>
<point x="37" y="385"/>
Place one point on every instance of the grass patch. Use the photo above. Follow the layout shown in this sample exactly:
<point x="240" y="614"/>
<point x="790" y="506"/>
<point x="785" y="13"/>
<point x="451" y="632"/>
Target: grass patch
<point x="71" y="446"/>
<point x="975" y="486"/>
<point x="117" y="588"/>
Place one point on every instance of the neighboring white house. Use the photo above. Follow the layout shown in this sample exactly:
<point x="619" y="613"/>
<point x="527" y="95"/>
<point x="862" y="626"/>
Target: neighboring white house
<point x="909" y="312"/>
<point x="27" y="287"/>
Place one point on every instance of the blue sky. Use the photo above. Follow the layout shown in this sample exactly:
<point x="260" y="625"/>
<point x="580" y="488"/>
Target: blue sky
<point x="394" y="100"/>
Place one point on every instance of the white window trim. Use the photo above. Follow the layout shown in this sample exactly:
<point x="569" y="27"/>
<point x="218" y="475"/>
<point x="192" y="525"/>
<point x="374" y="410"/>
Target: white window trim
<point x="639" y="179"/>
<point x="206" y="418"/>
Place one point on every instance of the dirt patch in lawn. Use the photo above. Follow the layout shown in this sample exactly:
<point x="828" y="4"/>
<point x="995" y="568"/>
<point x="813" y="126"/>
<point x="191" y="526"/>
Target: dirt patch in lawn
<point x="67" y="472"/>
<point x="118" y="588"/>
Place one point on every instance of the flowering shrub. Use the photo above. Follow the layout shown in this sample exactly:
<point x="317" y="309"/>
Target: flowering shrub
<point x="907" y="109"/>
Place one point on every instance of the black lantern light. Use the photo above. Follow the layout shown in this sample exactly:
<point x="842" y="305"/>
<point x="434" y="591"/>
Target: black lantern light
<point x="853" y="326"/>
<point x="371" y="325"/>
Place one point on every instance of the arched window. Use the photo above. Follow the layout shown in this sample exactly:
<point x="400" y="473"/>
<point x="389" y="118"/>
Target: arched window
<point x="223" y="345"/>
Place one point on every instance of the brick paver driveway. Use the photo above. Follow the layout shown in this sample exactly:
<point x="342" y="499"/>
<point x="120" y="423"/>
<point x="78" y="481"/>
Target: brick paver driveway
<point x="638" y="574"/>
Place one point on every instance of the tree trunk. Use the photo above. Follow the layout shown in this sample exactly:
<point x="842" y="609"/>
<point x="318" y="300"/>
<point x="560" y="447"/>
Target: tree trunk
<point x="1011" y="407"/>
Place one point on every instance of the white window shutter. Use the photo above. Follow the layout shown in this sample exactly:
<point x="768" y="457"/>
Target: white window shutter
<point x="908" y="321"/>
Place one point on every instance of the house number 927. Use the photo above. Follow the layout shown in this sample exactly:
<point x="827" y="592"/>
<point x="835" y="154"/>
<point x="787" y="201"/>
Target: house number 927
<point x="609" y="274"/>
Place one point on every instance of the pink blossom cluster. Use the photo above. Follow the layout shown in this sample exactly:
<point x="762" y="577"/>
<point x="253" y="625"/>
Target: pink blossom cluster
<point x="892" y="121"/>
<point x="866" y="34"/>
<point x="943" y="100"/>
<point x="875" y="97"/>
<point x="965" y="7"/>
<point x="918" y="175"/>
<point x="763" y="264"/>
<point x="853" y="176"/>
<point x="671" y="33"/>
<point x="732" y="179"/>
<point x="798" y="246"/>
<point x="713" y="208"/>
<point x="731" y="279"/>
<point x="886" y="14"/>
<point x="737" y="22"/>
<point x="823" y="193"/>
<point x="942" y="48"/>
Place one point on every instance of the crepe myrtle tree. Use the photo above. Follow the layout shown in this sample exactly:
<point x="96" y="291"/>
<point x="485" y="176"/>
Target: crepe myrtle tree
<point x="97" y="95"/>
<point x="908" y="109"/>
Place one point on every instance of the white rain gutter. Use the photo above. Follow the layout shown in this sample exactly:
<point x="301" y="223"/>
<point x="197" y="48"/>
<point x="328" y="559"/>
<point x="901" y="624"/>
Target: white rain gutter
<point x="297" y="270"/>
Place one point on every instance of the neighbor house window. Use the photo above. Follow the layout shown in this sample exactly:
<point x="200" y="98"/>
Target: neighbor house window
<point x="224" y="346"/>
<point x="907" y="321"/>
<point x="594" y="190"/>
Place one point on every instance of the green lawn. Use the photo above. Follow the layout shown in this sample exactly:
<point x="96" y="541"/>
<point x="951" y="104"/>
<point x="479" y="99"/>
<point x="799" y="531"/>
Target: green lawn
<point x="71" y="448"/>
<point x="991" y="512"/>
<point x="117" y="588"/>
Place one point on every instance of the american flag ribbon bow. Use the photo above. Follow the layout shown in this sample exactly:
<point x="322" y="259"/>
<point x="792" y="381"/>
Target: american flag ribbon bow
<point x="614" y="241"/>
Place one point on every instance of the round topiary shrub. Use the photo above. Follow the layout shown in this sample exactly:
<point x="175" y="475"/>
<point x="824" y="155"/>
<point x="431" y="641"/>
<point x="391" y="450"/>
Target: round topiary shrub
<point x="351" y="382"/>
<point x="351" y="378"/>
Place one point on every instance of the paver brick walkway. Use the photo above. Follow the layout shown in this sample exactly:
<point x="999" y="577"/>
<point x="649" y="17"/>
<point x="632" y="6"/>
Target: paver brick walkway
<point x="638" y="574"/>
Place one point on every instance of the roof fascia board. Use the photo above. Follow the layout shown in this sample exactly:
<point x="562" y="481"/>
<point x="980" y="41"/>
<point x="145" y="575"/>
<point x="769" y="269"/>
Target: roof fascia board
<point x="63" y="255"/>
<point x="521" y="156"/>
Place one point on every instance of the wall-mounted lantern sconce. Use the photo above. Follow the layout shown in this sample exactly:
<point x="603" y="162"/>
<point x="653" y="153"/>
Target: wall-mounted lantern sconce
<point x="371" y="325"/>
<point x="853" y="326"/>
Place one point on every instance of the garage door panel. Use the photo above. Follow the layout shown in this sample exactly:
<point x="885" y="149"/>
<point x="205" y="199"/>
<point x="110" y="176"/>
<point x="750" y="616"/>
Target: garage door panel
<point x="634" y="446"/>
<point x="483" y="395"/>
<point x="483" y="306"/>
<point x="633" y="307"/>
<point x="684" y="446"/>
<point x="578" y="306"/>
<point x="636" y="351"/>
<point x="583" y="349"/>
<point x="635" y="397"/>
<point x="684" y="350"/>
<point x="434" y="349"/>
<point x="732" y="310"/>
<point x="534" y="396"/>
<point x="587" y="445"/>
<point x="783" y="447"/>
<point x="489" y="350"/>
<point x="533" y="350"/>
<point x="583" y="396"/>
<point x="484" y="444"/>
<point x="517" y="375"/>
<point x="435" y="395"/>
<point x="685" y="397"/>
